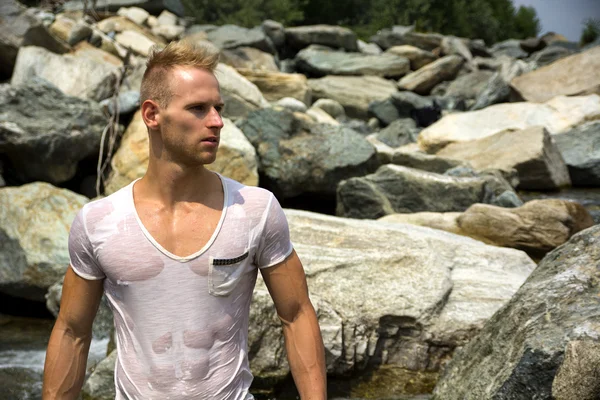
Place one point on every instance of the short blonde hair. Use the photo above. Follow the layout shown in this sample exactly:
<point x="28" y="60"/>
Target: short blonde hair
<point x="156" y="80"/>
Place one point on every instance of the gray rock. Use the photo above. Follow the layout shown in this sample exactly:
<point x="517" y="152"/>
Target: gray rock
<point x="520" y="349"/>
<point x="368" y="48"/>
<point x="384" y="111"/>
<point x="232" y="36"/>
<point x="508" y="199"/>
<point x="239" y="94"/>
<point x="34" y="229"/>
<point x="292" y="104"/>
<point x="398" y="133"/>
<point x="549" y="55"/>
<point x="75" y="74"/>
<point x="277" y="85"/>
<point x="532" y="45"/>
<point x="331" y="107"/>
<point x="578" y="376"/>
<point x="152" y="6"/>
<point x="100" y="385"/>
<point x="425" y="162"/>
<point x="294" y="160"/>
<point x="469" y="86"/>
<point x="45" y="133"/>
<point x="425" y="79"/>
<point x="249" y="58"/>
<point x="387" y="38"/>
<point x="135" y="14"/>
<point x="355" y="93"/>
<point x="478" y="48"/>
<point x="397" y="189"/>
<point x="168" y="32"/>
<point x="20" y="27"/>
<point x="497" y="90"/>
<point x="418" y="58"/>
<point x="452" y="45"/>
<point x="318" y="62"/>
<point x="327" y="35"/>
<point x="580" y="148"/>
<point x="511" y="48"/>
<point x="275" y="31"/>
<point x="126" y="103"/>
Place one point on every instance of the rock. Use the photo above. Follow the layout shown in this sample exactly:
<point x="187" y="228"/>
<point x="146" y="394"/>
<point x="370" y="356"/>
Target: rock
<point x="232" y="36"/>
<point x="167" y="18"/>
<point x="354" y="93"/>
<point x="331" y="107"/>
<point x="580" y="148"/>
<point x="45" y="133"/>
<point x="20" y="27"/>
<point x="418" y="58"/>
<point x="35" y="220"/>
<point x="368" y="48"/>
<point x="135" y="14"/>
<point x="239" y="94"/>
<point x="319" y="62"/>
<point x="469" y="86"/>
<point x="397" y="189"/>
<point x="126" y="103"/>
<point x="277" y="85"/>
<point x="136" y="42"/>
<point x="321" y="117"/>
<point x="168" y="32"/>
<point x="578" y="376"/>
<point x="249" y="58"/>
<point x="294" y="160"/>
<point x="275" y="31"/>
<point x="70" y="31"/>
<point x="532" y="45"/>
<point x="117" y="24"/>
<point x="426" y="41"/>
<point x="77" y="74"/>
<point x="518" y="352"/>
<point x="236" y="158"/>
<point x="399" y="132"/>
<point x="559" y="79"/>
<point x="531" y="152"/>
<point x="152" y="6"/>
<point x="478" y="48"/>
<point x="423" y="80"/>
<point x="100" y="385"/>
<point x="549" y="55"/>
<point x="553" y="38"/>
<point x="441" y="221"/>
<point x="511" y="48"/>
<point x="452" y="45"/>
<point x="558" y="115"/>
<point x="424" y="162"/>
<point x="152" y="21"/>
<point x="294" y="105"/>
<point x="335" y="37"/>
<point x="384" y="111"/>
<point x="537" y="227"/>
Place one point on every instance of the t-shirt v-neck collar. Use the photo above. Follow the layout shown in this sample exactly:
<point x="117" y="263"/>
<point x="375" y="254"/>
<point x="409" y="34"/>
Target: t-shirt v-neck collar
<point x="161" y="248"/>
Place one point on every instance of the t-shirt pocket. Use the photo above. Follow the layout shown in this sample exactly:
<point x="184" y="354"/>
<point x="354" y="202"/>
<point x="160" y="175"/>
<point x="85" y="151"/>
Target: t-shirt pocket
<point x="225" y="273"/>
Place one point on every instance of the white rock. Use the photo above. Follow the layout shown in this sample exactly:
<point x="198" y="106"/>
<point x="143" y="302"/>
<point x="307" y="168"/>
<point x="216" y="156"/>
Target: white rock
<point x="135" y="14"/>
<point x="135" y="41"/>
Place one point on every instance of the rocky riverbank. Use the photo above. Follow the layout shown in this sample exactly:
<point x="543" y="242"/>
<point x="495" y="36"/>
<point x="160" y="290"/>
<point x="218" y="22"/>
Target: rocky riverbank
<point x="433" y="185"/>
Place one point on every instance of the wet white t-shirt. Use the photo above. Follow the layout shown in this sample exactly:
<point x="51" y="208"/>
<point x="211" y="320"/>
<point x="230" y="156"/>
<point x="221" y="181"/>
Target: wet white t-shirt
<point x="181" y="322"/>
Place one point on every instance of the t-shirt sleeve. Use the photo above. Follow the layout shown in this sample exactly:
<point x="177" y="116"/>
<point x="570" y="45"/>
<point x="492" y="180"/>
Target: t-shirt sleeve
<point x="275" y="244"/>
<point x="82" y="257"/>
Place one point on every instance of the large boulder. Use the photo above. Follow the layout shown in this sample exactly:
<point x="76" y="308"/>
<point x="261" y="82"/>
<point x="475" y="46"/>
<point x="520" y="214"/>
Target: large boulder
<point x="575" y="75"/>
<point x="403" y="324"/>
<point x="278" y="85"/>
<point x="511" y="48"/>
<point x="387" y="38"/>
<point x="418" y="58"/>
<point x="521" y="348"/>
<point x="236" y="158"/>
<point x="558" y="115"/>
<point x="249" y="58"/>
<point x="353" y="92"/>
<point x="34" y="228"/>
<point x="45" y="133"/>
<point x="549" y="55"/>
<point x="20" y="27"/>
<point x="468" y="87"/>
<point x="320" y="61"/>
<point x="335" y="37"/>
<point x="89" y="73"/>
<point x="232" y="36"/>
<point x="580" y="148"/>
<point x="397" y="189"/>
<point x="425" y="79"/>
<point x="239" y="94"/>
<point x="531" y="152"/>
<point x="296" y="158"/>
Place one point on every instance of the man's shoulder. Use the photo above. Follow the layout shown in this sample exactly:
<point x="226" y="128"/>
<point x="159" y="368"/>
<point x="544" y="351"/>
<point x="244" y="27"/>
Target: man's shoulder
<point x="254" y="194"/>
<point x="113" y="205"/>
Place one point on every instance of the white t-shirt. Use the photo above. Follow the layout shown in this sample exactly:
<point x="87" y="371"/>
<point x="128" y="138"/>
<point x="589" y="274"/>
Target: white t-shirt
<point x="181" y="322"/>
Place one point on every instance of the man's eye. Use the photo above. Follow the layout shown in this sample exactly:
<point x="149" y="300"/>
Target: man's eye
<point x="219" y="109"/>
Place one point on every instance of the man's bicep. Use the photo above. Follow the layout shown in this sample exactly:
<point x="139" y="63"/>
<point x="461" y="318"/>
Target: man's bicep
<point x="79" y="302"/>
<point x="286" y="283"/>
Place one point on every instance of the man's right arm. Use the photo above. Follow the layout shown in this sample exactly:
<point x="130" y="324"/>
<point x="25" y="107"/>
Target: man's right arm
<point x="67" y="353"/>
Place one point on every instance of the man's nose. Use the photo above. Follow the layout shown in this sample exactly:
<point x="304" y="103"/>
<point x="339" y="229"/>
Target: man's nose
<point x="214" y="119"/>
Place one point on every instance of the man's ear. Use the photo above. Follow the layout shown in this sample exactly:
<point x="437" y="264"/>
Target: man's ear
<point x="151" y="114"/>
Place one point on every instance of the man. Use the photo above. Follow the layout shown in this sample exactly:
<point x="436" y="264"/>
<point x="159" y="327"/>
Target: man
<point x="177" y="253"/>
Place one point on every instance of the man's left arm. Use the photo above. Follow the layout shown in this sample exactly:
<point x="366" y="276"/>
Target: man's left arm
<point x="286" y="283"/>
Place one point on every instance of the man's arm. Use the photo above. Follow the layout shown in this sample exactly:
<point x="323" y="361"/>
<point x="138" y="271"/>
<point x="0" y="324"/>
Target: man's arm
<point x="287" y="285"/>
<point x="67" y="353"/>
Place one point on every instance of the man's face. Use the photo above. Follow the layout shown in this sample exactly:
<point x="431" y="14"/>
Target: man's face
<point x="191" y="123"/>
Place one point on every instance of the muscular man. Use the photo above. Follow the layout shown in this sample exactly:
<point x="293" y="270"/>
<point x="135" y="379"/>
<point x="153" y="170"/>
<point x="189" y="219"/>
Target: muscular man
<point x="177" y="254"/>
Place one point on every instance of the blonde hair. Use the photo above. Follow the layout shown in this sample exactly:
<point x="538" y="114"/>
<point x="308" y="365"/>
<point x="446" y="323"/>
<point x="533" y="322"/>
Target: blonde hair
<point x="156" y="80"/>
